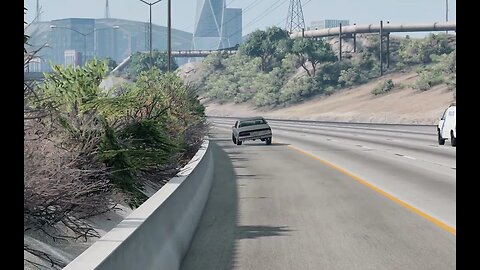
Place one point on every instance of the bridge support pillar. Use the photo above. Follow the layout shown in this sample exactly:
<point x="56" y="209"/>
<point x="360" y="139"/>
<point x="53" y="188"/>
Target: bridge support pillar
<point x="388" y="50"/>
<point x="381" y="48"/>
<point x="340" y="43"/>
<point x="355" y="43"/>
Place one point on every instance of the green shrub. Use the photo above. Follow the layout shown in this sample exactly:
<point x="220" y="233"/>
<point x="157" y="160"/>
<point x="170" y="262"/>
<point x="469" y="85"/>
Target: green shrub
<point x="383" y="87"/>
<point x="427" y="80"/>
<point x="330" y="90"/>
<point x="400" y="66"/>
<point x="352" y="76"/>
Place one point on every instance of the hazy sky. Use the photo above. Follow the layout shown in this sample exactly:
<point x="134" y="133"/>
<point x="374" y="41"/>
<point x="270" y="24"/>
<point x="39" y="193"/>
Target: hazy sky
<point x="258" y="14"/>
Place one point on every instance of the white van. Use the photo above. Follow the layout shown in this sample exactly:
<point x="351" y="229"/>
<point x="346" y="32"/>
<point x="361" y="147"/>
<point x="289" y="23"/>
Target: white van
<point x="447" y="126"/>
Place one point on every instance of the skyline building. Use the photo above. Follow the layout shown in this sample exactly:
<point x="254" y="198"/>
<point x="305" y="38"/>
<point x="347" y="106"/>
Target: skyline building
<point x="328" y="23"/>
<point x="233" y="26"/>
<point x="216" y="26"/>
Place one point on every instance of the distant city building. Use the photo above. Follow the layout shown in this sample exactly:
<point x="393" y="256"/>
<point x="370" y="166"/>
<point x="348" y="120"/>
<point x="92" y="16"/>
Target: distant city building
<point x="216" y="26"/>
<point x="233" y="26"/>
<point x="73" y="58"/>
<point x="208" y="32"/>
<point x="327" y="23"/>
<point x="99" y="38"/>
<point x="63" y="39"/>
<point x="34" y="65"/>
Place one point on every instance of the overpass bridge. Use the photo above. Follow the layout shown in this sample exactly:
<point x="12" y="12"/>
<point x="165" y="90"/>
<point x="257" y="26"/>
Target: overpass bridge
<point x="38" y="76"/>
<point x="181" y="54"/>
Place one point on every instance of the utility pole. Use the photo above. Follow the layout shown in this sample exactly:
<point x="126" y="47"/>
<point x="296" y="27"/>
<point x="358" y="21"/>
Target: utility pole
<point x="388" y="48"/>
<point x="340" y="43"/>
<point x="107" y="10"/>
<point x="169" y="35"/>
<point x="150" y="5"/>
<point x="446" y="13"/>
<point x="355" y="40"/>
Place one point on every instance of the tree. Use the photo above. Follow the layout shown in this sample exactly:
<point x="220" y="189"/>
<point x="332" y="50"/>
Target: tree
<point x="269" y="45"/>
<point x="413" y="51"/>
<point x="315" y="52"/>
<point x="111" y="64"/>
<point x="141" y="62"/>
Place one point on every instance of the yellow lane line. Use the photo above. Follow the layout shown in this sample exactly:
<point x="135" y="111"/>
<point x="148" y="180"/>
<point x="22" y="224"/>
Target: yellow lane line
<point x="381" y="192"/>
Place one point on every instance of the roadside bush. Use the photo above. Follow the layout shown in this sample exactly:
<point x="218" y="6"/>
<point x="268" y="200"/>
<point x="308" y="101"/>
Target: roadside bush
<point x="298" y="89"/>
<point x="140" y="62"/>
<point x="329" y="74"/>
<point x="64" y="181"/>
<point x="427" y="80"/>
<point x="352" y="76"/>
<point x="443" y="70"/>
<point x="88" y="142"/>
<point x="420" y="51"/>
<point x="330" y="90"/>
<point x="383" y="87"/>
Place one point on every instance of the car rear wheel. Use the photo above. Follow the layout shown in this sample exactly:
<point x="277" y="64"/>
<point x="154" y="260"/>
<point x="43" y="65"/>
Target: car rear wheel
<point x="441" y="141"/>
<point x="233" y="139"/>
<point x="239" y="142"/>
<point x="453" y="140"/>
<point x="269" y="141"/>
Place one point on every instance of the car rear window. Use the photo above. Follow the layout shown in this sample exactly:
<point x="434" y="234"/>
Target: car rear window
<point x="247" y="123"/>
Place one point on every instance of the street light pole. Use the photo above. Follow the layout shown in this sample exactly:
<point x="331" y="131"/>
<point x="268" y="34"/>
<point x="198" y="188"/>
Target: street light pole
<point x="150" y="4"/>
<point x="84" y="49"/>
<point x="446" y="10"/>
<point x="446" y="13"/>
<point x="169" y="35"/>
<point x="115" y="28"/>
<point x="150" y="47"/>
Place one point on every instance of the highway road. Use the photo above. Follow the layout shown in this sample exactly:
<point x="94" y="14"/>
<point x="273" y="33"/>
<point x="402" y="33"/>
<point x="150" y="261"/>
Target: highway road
<point x="329" y="196"/>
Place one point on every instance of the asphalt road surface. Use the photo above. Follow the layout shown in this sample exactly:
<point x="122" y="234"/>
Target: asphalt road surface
<point x="329" y="196"/>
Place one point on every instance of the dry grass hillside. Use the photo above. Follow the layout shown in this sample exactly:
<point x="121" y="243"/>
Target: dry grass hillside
<point x="357" y="104"/>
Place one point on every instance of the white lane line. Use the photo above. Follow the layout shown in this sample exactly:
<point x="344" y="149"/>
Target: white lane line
<point x="405" y="156"/>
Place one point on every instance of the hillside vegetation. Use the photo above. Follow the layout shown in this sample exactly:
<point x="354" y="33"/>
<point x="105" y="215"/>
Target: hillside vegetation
<point x="270" y="69"/>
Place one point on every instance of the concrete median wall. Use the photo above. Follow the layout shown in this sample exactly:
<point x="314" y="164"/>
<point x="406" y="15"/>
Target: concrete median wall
<point x="158" y="234"/>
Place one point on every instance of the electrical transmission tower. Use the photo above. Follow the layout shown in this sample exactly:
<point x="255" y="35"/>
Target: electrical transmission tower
<point x="295" y="21"/>
<point x="107" y="10"/>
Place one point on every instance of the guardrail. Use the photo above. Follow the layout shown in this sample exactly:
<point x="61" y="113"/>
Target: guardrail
<point x="157" y="234"/>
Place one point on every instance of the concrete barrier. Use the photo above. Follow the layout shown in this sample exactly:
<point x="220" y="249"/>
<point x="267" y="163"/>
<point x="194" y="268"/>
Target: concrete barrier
<point x="157" y="234"/>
